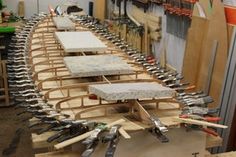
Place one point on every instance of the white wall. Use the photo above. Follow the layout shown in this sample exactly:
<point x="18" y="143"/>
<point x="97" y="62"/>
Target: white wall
<point x="175" y="46"/>
<point x="31" y="5"/>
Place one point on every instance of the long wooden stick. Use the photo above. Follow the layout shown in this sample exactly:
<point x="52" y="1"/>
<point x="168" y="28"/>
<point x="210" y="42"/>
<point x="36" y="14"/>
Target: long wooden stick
<point x="144" y="115"/>
<point x="83" y="136"/>
<point x="198" y="122"/>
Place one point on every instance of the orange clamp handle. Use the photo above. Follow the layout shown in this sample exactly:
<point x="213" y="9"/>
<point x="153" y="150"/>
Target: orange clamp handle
<point x="212" y="119"/>
<point x="210" y="131"/>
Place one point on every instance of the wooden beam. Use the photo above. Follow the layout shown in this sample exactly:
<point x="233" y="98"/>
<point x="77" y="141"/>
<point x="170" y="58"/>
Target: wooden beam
<point x="198" y="122"/>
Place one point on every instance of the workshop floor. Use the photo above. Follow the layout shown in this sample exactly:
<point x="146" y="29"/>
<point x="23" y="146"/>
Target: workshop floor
<point x="15" y="137"/>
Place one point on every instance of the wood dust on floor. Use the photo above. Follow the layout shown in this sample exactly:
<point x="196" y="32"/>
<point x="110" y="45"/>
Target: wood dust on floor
<point x="15" y="136"/>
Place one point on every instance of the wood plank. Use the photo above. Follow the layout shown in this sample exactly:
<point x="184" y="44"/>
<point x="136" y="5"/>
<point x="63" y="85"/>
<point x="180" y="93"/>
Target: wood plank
<point x="202" y="34"/>
<point x="217" y="30"/>
<point x="100" y="9"/>
<point x="198" y="122"/>
<point x="192" y="56"/>
<point x="59" y="154"/>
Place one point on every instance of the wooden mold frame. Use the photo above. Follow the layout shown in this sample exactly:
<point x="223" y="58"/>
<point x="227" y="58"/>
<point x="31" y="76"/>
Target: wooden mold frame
<point x="54" y="81"/>
<point x="70" y="94"/>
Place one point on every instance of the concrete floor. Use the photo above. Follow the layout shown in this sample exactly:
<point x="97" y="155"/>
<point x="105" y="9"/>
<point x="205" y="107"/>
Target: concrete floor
<point x="15" y="136"/>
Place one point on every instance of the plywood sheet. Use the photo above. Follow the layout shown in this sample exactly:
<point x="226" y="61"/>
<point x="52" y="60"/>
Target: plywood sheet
<point x="217" y="30"/>
<point x="192" y="56"/>
<point x="202" y="34"/>
<point x="100" y="9"/>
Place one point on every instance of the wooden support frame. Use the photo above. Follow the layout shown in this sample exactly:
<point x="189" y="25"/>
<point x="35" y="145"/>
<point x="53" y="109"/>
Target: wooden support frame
<point x="65" y="84"/>
<point x="54" y="70"/>
<point x="50" y="62"/>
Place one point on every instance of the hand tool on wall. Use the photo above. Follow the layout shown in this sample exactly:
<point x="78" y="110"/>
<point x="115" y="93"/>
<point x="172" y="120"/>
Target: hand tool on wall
<point x="178" y="14"/>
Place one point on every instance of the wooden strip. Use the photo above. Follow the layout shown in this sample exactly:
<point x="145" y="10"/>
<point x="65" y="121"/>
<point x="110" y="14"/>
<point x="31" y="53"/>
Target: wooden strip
<point x="59" y="154"/>
<point x="217" y="30"/>
<point x="197" y="122"/>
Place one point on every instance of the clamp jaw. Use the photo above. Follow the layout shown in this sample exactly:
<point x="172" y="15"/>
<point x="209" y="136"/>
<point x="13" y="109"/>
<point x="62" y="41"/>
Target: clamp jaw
<point x="159" y="129"/>
<point x="92" y="141"/>
<point x="113" y="138"/>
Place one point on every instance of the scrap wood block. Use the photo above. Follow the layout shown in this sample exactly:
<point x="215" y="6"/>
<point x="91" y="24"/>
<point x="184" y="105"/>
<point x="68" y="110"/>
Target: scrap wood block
<point x="127" y="91"/>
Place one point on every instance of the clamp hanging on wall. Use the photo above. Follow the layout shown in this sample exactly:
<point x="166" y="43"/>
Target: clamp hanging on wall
<point x="179" y="14"/>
